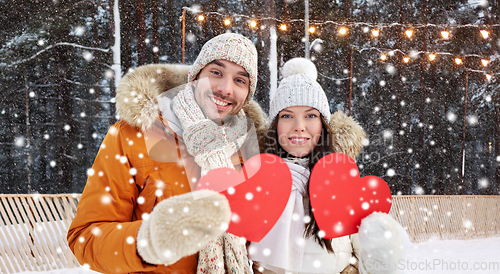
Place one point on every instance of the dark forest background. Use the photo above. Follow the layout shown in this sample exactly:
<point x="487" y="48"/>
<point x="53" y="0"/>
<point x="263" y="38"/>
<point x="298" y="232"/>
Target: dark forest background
<point x="423" y="112"/>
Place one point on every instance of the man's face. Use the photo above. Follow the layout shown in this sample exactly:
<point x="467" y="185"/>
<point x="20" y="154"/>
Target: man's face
<point x="221" y="89"/>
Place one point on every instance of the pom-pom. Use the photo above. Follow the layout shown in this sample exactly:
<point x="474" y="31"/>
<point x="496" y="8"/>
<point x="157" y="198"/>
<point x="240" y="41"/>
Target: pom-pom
<point x="300" y="66"/>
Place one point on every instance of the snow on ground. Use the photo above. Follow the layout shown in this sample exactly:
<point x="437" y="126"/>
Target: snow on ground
<point x="434" y="256"/>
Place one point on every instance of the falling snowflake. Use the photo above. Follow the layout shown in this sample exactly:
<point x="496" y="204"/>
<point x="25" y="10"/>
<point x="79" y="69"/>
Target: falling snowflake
<point x="467" y="224"/>
<point x="52" y="163"/>
<point x="472" y="120"/>
<point x="109" y="73"/>
<point x="133" y="171"/>
<point x="191" y="38"/>
<point x="387" y="133"/>
<point x="266" y="252"/>
<point x="382" y="83"/>
<point x="19" y="141"/>
<point x="483" y="183"/>
<point x="390" y="69"/>
<point x="123" y="159"/>
<point x="419" y="190"/>
<point x="88" y="56"/>
<point x="90" y="172"/>
<point x="67" y="127"/>
<point x="130" y="240"/>
<point x="79" y="31"/>
<point x="106" y="199"/>
<point x="413" y="54"/>
<point x="365" y="142"/>
<point x="96" y="231"/>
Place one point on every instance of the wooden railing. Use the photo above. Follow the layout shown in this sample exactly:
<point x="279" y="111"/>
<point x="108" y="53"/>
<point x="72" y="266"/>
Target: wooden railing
<point x="33" y="227"/>
<point x="447" y="217"/>
<point x="33" y="232"/>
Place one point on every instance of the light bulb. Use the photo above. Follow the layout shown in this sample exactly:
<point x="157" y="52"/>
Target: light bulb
<point x="485" y="34"/>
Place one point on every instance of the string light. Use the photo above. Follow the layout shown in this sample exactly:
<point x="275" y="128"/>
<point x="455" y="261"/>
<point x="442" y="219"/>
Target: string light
<point x="485" y="34"/>
<point x="343" y="30"/>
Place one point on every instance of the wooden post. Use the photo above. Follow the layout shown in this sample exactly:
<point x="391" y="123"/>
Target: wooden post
<point x="183" y="35"/>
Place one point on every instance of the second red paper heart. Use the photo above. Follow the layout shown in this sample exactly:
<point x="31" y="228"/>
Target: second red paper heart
<point x="341" y="199"/>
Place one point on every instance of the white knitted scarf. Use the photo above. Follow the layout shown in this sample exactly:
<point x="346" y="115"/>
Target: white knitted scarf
<point x="283" y="247"/>
<point x="212" y="146"/>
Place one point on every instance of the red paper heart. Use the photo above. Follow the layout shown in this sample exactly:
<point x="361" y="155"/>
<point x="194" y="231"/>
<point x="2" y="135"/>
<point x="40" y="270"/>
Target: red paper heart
<point x="341" y="199"/>
<point x="257" y="195"/>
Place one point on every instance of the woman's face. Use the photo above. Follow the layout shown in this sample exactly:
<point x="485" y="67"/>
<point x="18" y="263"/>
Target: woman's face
<point x="299" y="129"/>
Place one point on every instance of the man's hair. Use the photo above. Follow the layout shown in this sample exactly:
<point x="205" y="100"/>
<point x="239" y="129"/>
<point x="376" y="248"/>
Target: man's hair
<point x="322" y="148"/>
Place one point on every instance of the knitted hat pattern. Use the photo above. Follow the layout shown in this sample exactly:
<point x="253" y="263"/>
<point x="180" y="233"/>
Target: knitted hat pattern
<point x="231" y="47"/>
<point x="299" y="88"/>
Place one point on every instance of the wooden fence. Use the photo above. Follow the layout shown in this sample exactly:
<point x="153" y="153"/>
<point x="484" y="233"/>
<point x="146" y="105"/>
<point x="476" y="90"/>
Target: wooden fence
<point x="33" y="227"/>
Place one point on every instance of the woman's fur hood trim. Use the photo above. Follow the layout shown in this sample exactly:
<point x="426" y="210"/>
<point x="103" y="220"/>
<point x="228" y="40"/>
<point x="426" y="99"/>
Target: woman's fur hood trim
<point x="136" y="96"/>
<point x="348" y="135"/>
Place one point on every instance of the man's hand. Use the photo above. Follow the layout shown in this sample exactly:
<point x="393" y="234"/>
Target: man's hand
<point x="180" y="226"/>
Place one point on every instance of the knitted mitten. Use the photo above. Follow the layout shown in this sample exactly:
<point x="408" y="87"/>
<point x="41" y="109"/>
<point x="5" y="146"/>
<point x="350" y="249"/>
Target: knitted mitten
<point x="383" y="243"/>
<point x="180" y="226"/>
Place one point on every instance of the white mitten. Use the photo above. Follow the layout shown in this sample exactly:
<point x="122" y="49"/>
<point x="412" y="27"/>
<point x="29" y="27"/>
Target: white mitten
<point x="180" y="226"/>
<point x="382" y="242"/>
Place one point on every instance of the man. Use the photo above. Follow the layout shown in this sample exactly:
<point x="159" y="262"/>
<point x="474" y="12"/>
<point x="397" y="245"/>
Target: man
<point x="137" y="213"/>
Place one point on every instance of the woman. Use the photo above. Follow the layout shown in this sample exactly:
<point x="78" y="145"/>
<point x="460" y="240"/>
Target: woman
<point x="302" y="131"/>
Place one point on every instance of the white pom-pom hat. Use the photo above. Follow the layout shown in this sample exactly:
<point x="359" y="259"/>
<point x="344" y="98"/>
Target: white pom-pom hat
<point x="299" y="88"/>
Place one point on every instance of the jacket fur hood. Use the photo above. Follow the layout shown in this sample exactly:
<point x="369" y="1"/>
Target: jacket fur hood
<point x="136" y="96"/>
<point x="348" y="135"/>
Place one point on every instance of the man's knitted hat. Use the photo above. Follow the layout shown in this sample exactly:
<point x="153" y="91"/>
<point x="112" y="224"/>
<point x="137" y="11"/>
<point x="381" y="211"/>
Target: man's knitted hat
<point x="299" y="88"/>
<point x="231" y="47"/>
